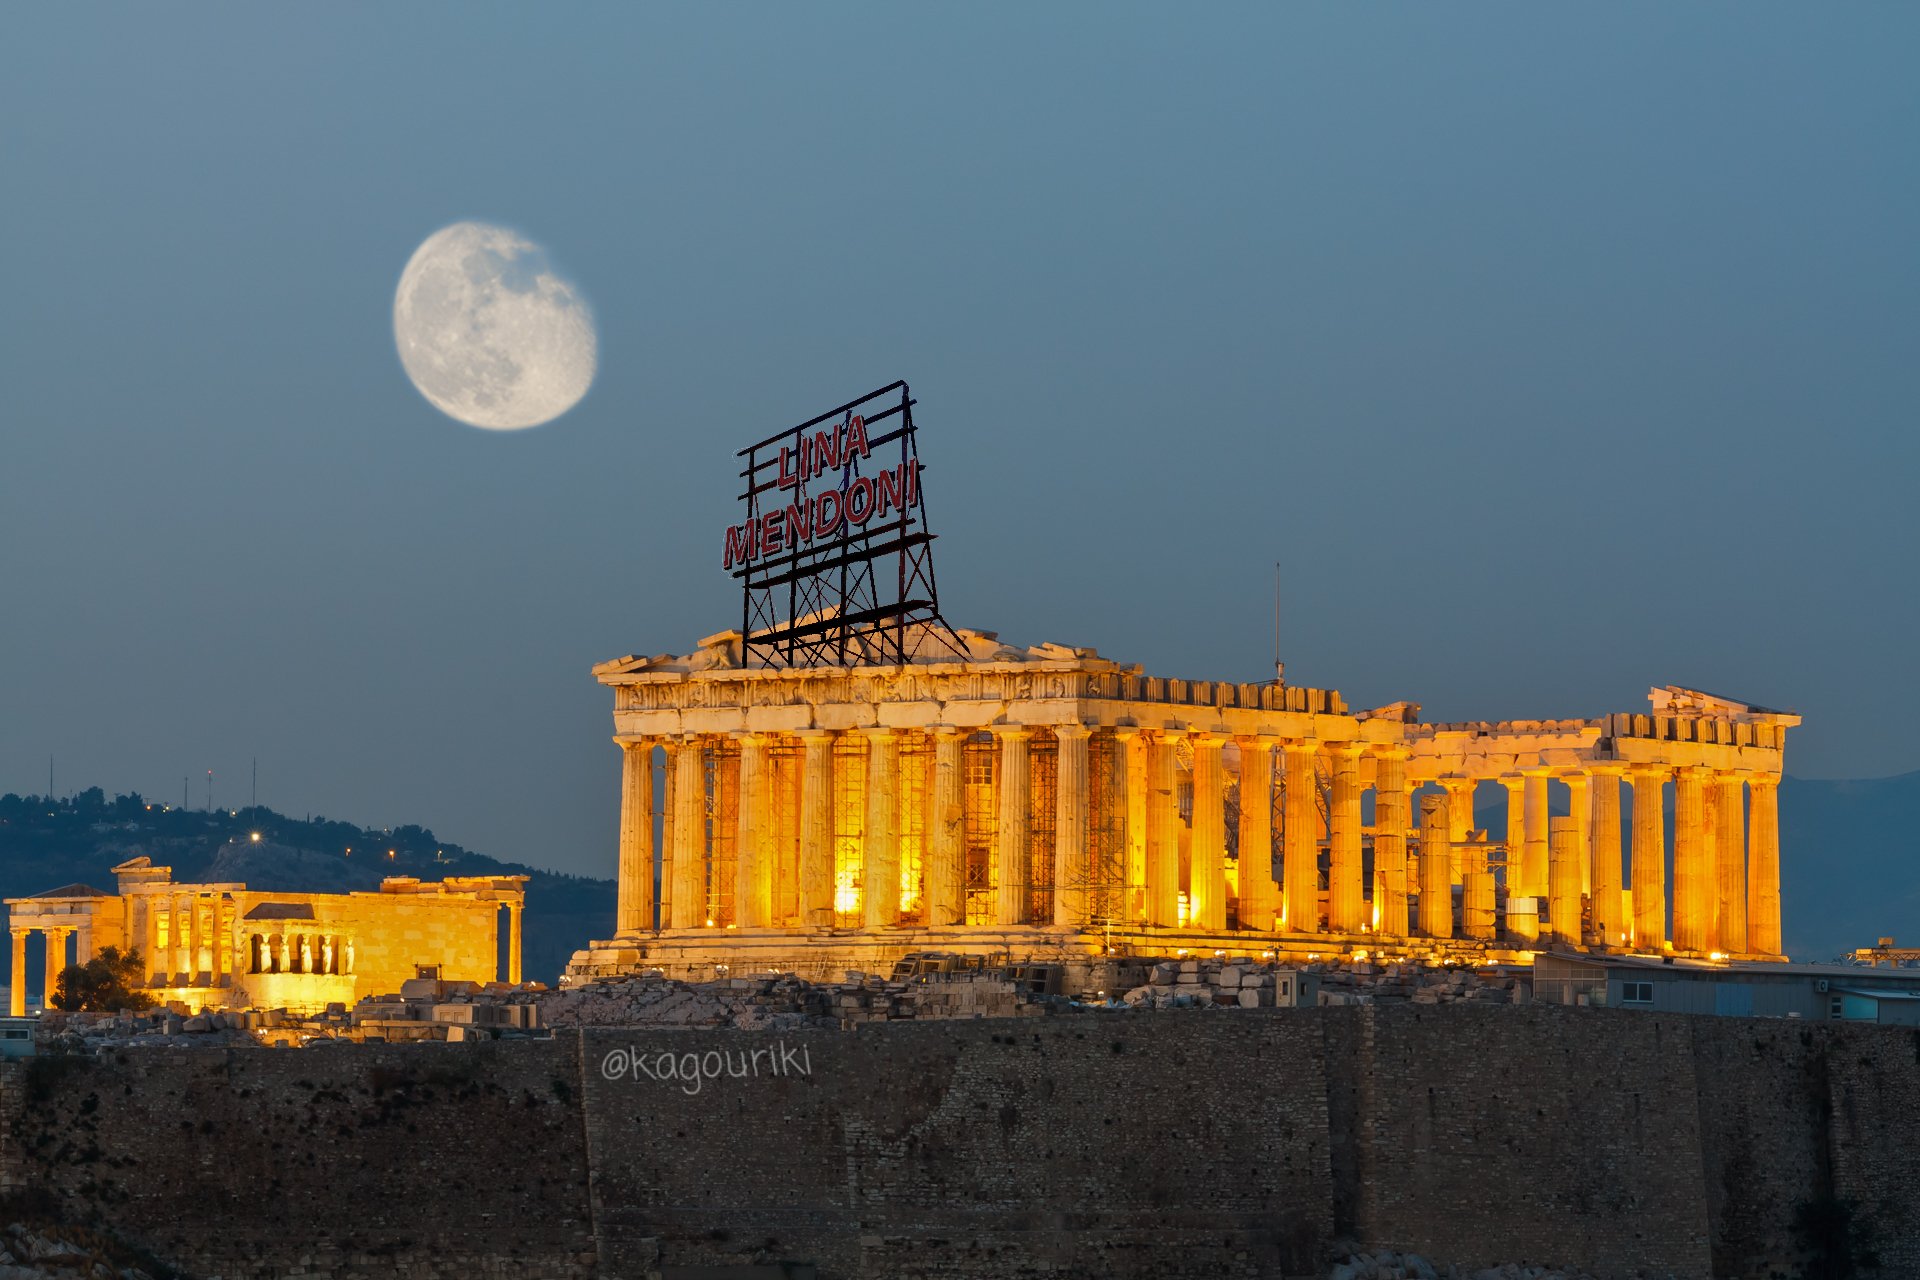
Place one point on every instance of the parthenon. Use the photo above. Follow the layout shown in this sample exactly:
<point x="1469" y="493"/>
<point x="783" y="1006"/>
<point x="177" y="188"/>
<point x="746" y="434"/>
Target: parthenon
<point x="1047" y="801"/>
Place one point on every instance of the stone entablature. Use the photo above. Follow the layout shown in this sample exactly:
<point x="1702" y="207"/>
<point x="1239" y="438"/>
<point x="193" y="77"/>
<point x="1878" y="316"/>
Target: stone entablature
<point x="222" y="945"/>
<point x="1052" y="790"/>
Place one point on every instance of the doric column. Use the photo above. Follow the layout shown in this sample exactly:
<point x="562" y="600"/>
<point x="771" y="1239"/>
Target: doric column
<point x="946" y="829"/>
<point x="816" y="829"/>
<point x="1207" y="867"/>
<point x="183" y="939"/>
<point x="1459" y="824"/>
<point x="1300" y="840"/>
<point x="1580" y="809"/>
<point x="689" y="834"/>
<point x="1763" y="866"/>
<point x="1730" y="863"/>
<point x="1533" y="858"/>
<point x="1692" y="890"/>
<point x="1346" y="892"/>
<point x="880" y="863"/>
<point x="1071" y="873"/>
<point x="1516" y="834"/>
<point x="1563" y="882"/>
<point x="1163" y="832"/>
<point x="1390" y="841"/>
<point x="1610" y="924"/>
<point x="783" y="774"/>
<point x="753" y="851"/>
<point x="1130" y="752"/>
<point x="17" y="988"/>
<point x="669" y="840"/>
<point x="1649" y="859"/>
<point x="56" y="939"/>
<point x="1013" y="836"/>
<point x="1259" y="891"/>
<point x="513" y="941"/>
<point x="634" y="912"/>
<point x="1710" y="859"/>
<point x="1436" y="888"/>
<point x="159" y="962"/>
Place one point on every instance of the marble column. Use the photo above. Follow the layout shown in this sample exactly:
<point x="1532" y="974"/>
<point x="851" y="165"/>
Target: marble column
<point x="1710" y="859"/>
<point x="634" y="912"/>
<point x="1072" y="875"/>
<point x="1436" y="875"/>
<point x="689" y="834"/>
<point x="1346" y="891"/>
<point x="1163" y="836"/>
<point x="1300" y="839"/>
<point x="1649" y="859"/>
<point x="1013" y="834"/>
<point x="1763" y="866"/>
<point x="946" y="829"/>
<point x="1207" y="869"/>
<point x="816" y="829"/>
<point x="514" y="910"/>
<point x="1692" y="889"/>
<point x="1563" y="882"/>
<point x="1259" y="891"/>
<point x="1459" y="823"/>
<point x="1580" y="809"/>
<point x="1730" y="864"/>
<point x="1610" y="924"/>
<point x="1390" y="841"/>
<point x="182" y="939"/>
<point x="17" y="985"/>
<point x="1533" y="855"/>
<point x="1131" y="749"/>
<point x="1516" y="833"/>
<point x="668" y="839"/>
<point x="784" y="771"/>
<point x="880" y="863"/>
<point x="753" y="851"/>
<point x="56" y="940"/>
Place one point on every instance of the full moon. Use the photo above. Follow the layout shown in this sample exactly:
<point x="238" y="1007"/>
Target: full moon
<point x="488" y="332"/>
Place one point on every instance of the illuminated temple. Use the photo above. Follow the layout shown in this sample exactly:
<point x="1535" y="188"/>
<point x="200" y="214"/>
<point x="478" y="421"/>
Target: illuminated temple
<point x="1050" y="804"/>
<point x="225" y="946"/>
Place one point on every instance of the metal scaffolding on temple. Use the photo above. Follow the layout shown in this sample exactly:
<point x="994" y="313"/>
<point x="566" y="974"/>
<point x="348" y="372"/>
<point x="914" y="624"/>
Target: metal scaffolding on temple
<point x="835" y="558"/>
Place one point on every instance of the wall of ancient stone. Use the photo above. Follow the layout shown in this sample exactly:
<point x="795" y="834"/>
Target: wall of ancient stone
<point x="1161" y="1145"/>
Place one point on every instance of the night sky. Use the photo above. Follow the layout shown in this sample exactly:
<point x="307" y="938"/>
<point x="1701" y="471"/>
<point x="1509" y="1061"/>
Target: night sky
<point x="1552" y="352"/>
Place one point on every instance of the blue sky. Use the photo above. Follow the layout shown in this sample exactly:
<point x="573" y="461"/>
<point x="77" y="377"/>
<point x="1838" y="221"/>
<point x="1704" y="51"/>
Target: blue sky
<point x="1554" y="352"/>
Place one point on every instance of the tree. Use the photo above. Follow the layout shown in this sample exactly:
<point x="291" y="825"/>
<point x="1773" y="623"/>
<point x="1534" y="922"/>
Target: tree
<point x="107" y="983"/>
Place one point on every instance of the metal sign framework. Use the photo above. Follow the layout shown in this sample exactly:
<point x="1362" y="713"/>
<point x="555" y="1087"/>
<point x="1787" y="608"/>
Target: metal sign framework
<point x="864" y="594"/>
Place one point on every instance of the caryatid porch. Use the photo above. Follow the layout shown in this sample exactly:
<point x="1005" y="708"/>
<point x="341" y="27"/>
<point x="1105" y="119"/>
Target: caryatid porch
<point x="1048" y="798"/>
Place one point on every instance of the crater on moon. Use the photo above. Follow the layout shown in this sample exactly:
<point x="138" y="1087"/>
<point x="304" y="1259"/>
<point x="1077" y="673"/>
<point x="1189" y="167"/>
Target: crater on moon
<point x="488" y="332"/>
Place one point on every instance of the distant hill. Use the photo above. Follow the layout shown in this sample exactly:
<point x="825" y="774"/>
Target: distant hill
<point x="47" y="844"/>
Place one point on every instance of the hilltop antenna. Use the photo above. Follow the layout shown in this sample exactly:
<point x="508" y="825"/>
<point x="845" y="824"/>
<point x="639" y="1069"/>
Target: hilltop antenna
<point x="49" y="776"/>
<point x="209" y="791"/>
<point x="183" y="795"/>
<point x="1279" y="667"/>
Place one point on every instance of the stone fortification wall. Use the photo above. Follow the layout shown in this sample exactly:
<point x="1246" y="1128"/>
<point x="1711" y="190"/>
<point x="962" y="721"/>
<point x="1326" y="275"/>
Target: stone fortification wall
<point x="369" y="1161"/>
<point x="1183" y="1143"/>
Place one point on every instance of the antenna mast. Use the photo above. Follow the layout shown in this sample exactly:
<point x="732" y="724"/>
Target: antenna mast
<point x="1279" y="667"/>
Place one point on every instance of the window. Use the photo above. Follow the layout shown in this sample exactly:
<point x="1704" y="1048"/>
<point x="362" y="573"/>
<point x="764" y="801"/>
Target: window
<point x="1636" y="993"/>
